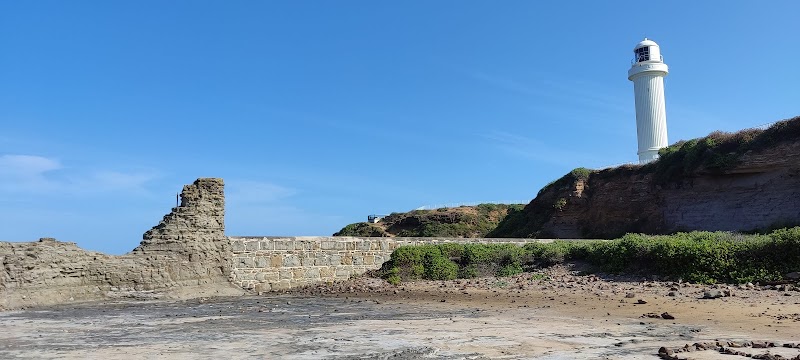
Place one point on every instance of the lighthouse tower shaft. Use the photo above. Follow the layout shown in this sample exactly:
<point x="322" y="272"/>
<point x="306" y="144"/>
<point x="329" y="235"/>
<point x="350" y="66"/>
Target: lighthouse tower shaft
<point x="647" y="73"/>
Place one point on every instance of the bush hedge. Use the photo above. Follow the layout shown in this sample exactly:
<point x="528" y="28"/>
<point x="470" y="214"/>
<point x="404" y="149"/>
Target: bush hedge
<point x="700" y="256"/>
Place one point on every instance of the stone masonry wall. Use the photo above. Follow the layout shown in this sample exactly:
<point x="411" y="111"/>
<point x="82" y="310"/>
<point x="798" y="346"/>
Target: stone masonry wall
<point x="276" y="263"/>
<point x="187" y="255"/>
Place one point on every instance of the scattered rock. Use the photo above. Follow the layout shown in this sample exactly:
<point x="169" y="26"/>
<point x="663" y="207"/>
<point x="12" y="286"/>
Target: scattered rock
<point x="712" y="294"/>
<point x="664" y="351"/>
<point x="763" y="344"/>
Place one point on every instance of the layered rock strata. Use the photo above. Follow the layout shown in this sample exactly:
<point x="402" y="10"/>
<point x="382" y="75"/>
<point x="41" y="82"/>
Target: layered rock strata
<point x="759" y="192"/>
<point x="186" y="255"/>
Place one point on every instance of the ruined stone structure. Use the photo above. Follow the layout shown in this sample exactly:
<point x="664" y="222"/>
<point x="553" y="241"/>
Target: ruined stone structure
<point x="193" y="234"/>
<point x="186" y="255"/>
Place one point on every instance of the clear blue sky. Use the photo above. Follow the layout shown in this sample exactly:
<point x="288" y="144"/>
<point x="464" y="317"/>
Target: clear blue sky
<point x="318" y="113"/>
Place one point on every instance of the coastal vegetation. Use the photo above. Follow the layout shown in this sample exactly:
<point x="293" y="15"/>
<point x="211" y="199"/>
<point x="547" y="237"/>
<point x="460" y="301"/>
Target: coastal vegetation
<point x="715" y="153"/>
<point x="699" y="256"/>
<point x="460" y="222"/>
<point x="719" y="151"/>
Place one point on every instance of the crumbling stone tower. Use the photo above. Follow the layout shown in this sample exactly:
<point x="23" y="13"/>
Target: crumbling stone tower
<point x="193" y="234"/>
<point x="186" y="255"/>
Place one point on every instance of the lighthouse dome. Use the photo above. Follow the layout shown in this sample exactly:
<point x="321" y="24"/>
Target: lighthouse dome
<point x="646" y="51"/>
<point x="645" y="43"/>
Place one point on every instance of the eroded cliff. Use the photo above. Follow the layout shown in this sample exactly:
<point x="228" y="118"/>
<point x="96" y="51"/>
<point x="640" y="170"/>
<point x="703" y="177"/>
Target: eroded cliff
<point x="742" y="181"/>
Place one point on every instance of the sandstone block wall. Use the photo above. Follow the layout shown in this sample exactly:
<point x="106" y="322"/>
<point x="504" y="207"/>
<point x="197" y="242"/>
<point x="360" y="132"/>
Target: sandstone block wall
<point x="276" y="263"/>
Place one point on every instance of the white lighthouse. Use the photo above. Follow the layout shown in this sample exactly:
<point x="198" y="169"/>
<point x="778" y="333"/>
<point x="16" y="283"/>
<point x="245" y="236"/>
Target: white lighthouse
<point x="647" y="73"/>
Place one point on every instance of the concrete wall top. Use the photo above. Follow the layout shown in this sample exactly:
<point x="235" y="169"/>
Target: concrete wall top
<point x="401" y="239"/>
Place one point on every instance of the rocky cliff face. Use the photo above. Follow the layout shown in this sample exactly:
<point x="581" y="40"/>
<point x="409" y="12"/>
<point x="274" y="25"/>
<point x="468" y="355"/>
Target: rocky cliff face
<point x="732" y="182"/>
<point x="186" y="255"/>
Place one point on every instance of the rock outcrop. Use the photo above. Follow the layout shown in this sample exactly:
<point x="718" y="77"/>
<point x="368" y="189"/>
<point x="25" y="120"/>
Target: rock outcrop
<point x="731" y="182"/>
<point x="184" y="256"/>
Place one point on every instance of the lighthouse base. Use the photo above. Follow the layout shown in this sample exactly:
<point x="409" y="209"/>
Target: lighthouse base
<point x="648" y="156"/>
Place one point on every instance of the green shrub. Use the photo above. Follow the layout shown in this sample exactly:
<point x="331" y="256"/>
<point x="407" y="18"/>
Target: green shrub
<point x="361" y="229"/>
<point x="439" y="268"/>
<point x="393" y="279"/>
<point x="580" y="173"/>
<point x="560" y="203"/>
<point x="468" y="272"/>
<point x="539" y="277"/>
<point x="417" y="271"/>
<point x="699" y="256"/>
<point x="557" y="252"/>
<point x="452" y="260"/>
<point x="452" y="250"/>
<point x="510" y="270"/>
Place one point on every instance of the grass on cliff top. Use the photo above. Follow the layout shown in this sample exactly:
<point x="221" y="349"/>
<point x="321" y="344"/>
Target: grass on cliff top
<point x="705" y="257"/>
<point x="714" y="153"/>
<point x="362" y="229"/>
<point x="465" y="221"/>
